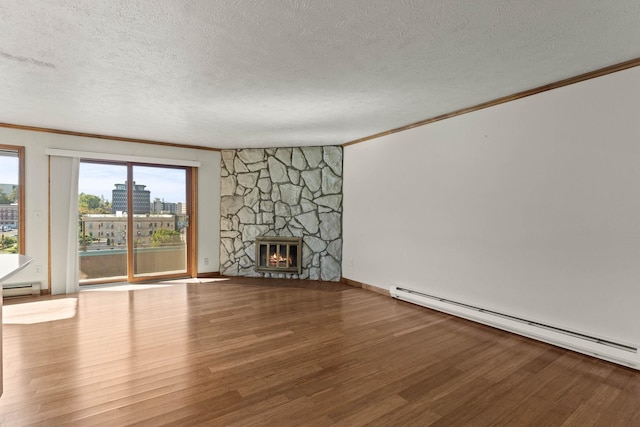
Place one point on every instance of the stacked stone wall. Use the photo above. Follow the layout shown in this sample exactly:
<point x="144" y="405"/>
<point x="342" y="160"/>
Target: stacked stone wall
<point x="282" y="192"/>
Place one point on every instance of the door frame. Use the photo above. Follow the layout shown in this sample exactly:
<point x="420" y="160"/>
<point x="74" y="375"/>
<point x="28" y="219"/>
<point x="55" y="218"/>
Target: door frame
<point x="191" y="191"/>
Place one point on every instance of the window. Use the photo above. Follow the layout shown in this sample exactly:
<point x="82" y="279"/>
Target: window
<point x="11" y="199"/>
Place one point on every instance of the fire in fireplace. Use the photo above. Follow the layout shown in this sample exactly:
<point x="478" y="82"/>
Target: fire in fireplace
<point x="279" y="254"/>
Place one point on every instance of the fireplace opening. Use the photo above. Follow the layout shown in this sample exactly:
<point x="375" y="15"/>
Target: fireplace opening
<point x="279" y="254"/>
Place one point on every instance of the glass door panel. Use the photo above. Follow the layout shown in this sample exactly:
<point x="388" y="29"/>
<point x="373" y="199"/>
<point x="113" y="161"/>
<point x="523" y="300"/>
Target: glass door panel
<point x="159" y="227"/>
<point x="102" y="222"/>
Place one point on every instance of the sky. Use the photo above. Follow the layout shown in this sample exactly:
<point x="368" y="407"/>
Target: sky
<point x="99" y="179"/>
<point x="8" y="170"/>
<point x="163" y="183"/>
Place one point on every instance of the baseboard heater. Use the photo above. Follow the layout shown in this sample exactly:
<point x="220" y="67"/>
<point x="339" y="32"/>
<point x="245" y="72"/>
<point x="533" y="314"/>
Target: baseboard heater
<point x="20" y="289"/>
<point x="614" y="351"/>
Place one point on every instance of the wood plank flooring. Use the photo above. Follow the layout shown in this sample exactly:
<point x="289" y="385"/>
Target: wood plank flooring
<point x="249" y="352"/>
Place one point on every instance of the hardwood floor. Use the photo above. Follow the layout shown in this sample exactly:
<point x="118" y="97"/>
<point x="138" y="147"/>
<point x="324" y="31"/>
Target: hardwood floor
<point x="248" y="352"/>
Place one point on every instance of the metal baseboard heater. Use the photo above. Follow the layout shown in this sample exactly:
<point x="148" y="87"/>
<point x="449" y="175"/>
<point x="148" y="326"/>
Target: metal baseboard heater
<point x="611" y="350"/>
<point x="20" y="289"/>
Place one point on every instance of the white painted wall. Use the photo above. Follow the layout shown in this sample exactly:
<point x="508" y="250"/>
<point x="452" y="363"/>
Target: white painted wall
<point x="530" y="208"/>
<point x="36" y="187"/>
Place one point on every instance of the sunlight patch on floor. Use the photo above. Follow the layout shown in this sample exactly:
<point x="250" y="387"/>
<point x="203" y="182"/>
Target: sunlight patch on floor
<point x="39" y="311"/>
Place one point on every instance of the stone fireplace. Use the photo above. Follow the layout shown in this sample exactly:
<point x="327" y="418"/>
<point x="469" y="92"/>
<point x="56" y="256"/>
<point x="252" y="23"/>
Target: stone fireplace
<point x="282" y="193"/>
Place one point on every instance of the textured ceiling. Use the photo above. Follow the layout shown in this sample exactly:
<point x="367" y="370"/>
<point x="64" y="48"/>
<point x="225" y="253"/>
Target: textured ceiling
<point x="266" y="73"/>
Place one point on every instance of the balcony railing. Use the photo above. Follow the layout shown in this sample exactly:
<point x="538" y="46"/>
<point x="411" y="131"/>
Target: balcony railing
<point x="112" y="263"/>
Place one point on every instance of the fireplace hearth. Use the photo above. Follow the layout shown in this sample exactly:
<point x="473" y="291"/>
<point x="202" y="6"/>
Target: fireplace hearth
<point x="279" y="254"/>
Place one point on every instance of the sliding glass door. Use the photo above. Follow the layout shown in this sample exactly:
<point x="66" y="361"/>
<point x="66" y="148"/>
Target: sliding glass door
<point x="132" y="232"/>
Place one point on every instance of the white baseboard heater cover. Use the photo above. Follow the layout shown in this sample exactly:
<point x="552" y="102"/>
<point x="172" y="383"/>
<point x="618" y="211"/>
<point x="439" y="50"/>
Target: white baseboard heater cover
<point x="20" y="289"/>
<point x="611" y="350"/>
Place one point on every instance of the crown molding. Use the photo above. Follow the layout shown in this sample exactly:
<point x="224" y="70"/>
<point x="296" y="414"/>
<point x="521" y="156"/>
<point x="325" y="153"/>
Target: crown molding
<point x="551" y="86"/>
<point x="112" y="138"/>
